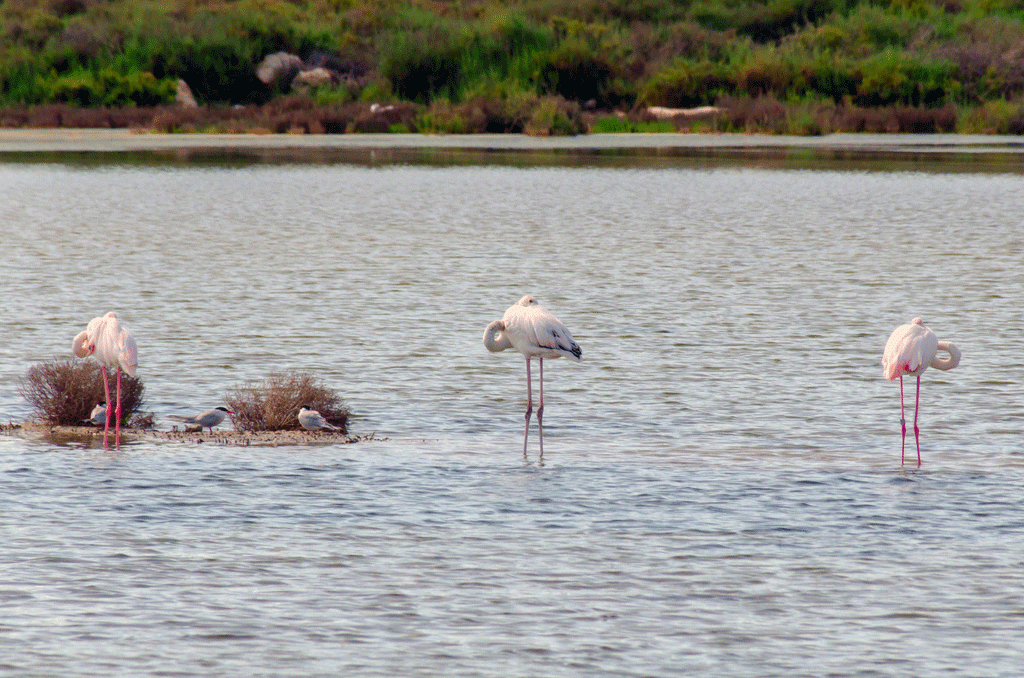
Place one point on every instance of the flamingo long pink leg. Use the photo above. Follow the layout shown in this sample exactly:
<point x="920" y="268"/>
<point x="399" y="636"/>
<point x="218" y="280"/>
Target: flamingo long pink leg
<point x="903" y="425"/>
<point x="117" y="430"/>
<point x="529" y="405"/>
<point x="106" y="389"/>
<point x="917" y="433"/>
<point x="540" y="408"/>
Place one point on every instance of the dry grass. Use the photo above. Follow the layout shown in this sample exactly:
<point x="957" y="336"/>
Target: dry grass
<point x="541" y="116"/>
<point x="63" y="391"/>
<point x="274" y="403"/>
<point x="768" y="115"/>
<point x="302" y="115"/>
<point x="63" y="115"/>
<point x="294" y="114"/>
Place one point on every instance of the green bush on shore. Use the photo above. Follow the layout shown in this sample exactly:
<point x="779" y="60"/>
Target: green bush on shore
<point x="108" y="88"/>
<point x="524" y="64"/>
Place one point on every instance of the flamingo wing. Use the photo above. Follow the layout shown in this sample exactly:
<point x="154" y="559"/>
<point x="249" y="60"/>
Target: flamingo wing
<point x="543" y="332"/>
<point x="109" y="342"/>
<point x="535" y="332"/>
<point x="549" y="332"/>
<point x="909" y="350"/>
<point x="127" y="352"/>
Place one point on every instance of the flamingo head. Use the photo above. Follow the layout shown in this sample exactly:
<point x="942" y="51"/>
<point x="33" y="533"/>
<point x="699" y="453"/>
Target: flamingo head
<point x="82" y="345"/>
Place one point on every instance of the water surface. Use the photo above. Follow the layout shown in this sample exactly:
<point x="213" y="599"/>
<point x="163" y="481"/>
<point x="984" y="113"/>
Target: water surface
<point x="720" y="493"/>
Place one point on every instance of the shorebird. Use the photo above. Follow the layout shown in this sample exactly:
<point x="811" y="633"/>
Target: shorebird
<point x="98" y="415"/>
<point x="209" y="419"/>
<point x="311" y="420"/>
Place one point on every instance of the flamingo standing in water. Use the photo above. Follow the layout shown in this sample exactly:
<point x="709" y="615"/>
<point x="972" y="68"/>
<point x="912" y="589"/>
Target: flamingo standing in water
<point x="532" y="330"/>
<point x="910" y="350"/>
<point x="110" y="342"/>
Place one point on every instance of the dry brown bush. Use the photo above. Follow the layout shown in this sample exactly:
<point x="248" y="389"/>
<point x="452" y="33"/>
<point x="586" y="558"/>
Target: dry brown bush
<point x="905" y="119"/>
<point x="383" y="119"/>
<point x="763" y="113"/>
<point x="274" y="403"/>
<point x="768" y="115"/>
<point x="287" y="115"/>
<point x="63" y="391"/>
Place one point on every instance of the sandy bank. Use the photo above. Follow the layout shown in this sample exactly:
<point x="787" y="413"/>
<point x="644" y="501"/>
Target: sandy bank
<point x="91" y="436"/>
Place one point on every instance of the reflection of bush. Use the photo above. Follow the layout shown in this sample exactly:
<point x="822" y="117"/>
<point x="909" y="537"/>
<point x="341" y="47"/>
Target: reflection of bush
<point x="64" y="391"/>
<point x="274" y="403"/>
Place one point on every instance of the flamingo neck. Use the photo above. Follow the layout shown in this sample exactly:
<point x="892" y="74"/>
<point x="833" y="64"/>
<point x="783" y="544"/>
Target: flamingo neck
<point x="947" y="363"/>
<point x="494" y="337"/>
<point x="80" y="346"/>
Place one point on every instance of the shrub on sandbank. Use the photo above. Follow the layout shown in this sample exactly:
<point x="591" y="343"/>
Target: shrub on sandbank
<point x="64" y="391"/>
<point x="274" y="403"/>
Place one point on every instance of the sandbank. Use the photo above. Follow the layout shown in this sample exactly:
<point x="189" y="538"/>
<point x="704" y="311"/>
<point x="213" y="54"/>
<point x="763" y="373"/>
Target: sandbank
<point x="90" y="436"/>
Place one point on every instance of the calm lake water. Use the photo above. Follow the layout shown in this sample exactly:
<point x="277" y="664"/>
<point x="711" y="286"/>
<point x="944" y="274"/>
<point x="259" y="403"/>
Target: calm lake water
<point x="721" y="491"/>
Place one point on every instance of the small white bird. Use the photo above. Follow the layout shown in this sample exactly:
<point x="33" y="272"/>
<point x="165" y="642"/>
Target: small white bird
<point x="98" y="416"/>
<point x="910" y="350"/>
<point x="111" y="344"/>
<point x="209" y="419"/>
<point x="311" y="420"/>
<point x="535" y="332"/>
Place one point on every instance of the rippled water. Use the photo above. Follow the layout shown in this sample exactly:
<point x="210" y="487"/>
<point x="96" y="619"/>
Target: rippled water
<point x="720" y="492"/>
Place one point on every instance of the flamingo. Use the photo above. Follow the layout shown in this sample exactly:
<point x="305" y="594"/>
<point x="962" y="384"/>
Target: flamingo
<point x="209" y="419"/>
<point x="311" y="420"/>
<point x="110" y="342"/>
<point x="910" y="350"/>
<point x="535" y="332"/>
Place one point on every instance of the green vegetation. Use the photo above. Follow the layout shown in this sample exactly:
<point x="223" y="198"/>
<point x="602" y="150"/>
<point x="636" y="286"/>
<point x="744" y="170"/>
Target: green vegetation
<point x="539" y="66"/>
<point x="617" y="125"/>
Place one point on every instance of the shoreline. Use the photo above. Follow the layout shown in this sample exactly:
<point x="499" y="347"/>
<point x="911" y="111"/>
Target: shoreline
<point x="944" y="153"/>
<point x="72" y="140"/>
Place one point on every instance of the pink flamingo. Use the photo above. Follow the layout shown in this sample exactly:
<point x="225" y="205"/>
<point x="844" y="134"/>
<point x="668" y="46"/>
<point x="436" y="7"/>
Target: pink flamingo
<point x="532" y="330"/>
<point x="910" y="350"/>
<point x="110" y="342"/>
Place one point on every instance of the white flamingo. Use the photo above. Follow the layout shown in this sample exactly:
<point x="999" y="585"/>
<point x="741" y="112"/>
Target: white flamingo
<point x="910" y="350"/>
<point x="532" y="330"/>
<point x="110" y="343"/>
<point x="209" y="419"/>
